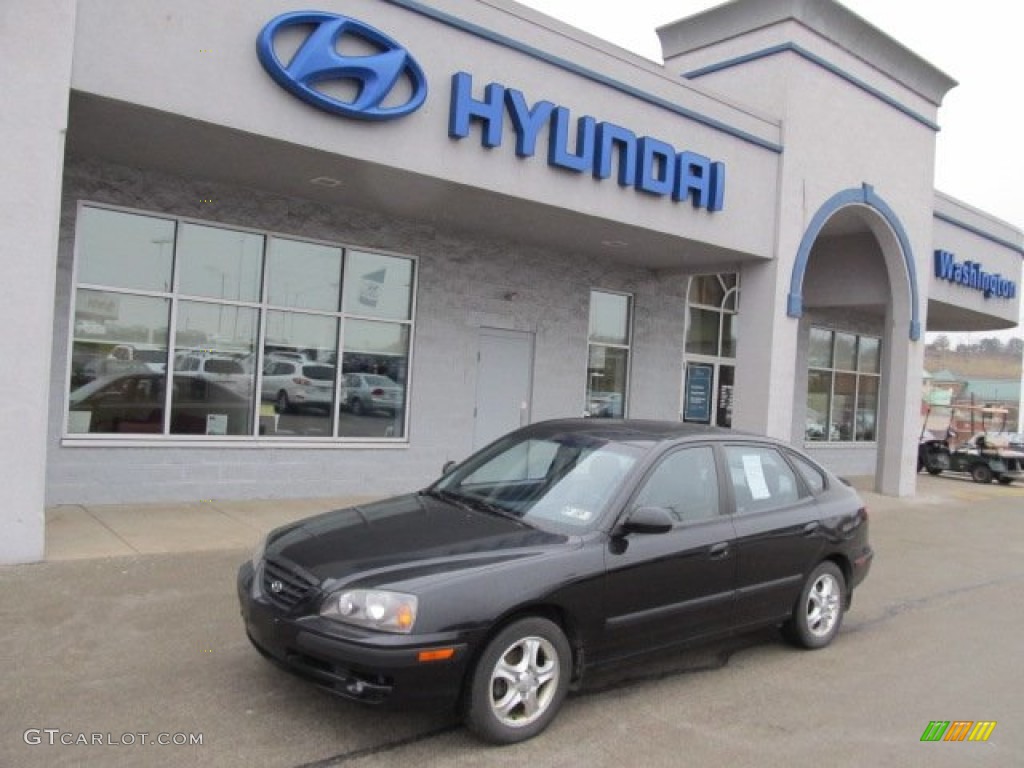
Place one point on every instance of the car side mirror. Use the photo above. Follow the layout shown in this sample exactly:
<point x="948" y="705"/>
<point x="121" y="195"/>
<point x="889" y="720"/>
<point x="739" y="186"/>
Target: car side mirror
<point x="448" y="467"/>
<point x="648" y="520"/>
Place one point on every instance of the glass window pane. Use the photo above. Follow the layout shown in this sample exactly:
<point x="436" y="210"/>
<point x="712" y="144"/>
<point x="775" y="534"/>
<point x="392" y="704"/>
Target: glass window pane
<point x="125" y="250"/>
<point x="730" y="325"/>
<point x="609" y="318"/>
<point x="706" y="290"/>
<point x="304" y="275"/>
<point x="702" y="333"/>
<point x="299" y="376"/>
<point x="219" y="263"/>
<point x="732" y="301"/>
<point x="213" y="370"/>
<point x="843" y="407"/>
<point x="378" y="286"/>
<point x="118" y="363"/>
<point x="376" y="368"/>
<point x="820" y="352"/>
<point x="846" y="352"/>
<point x="815" y="479"/>
<point x="685" y="483"/>
<point x="867" y="407"/>
<point x="121" y="403"/>
<point x="606" y="381"/>
<point x="819" y="389"/>
<point x="869" y="355"/>
<point x="761" y="478"/>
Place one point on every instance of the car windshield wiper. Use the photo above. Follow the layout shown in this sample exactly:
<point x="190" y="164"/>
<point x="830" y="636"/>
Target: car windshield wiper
<point x="474" y="503"/>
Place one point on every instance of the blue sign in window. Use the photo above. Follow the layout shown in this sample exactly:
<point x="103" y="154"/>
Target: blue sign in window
<point x="697" y="400"/>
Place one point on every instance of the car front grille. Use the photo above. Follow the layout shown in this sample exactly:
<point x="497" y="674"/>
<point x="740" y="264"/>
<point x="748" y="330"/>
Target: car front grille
<point x="286" y="585"/>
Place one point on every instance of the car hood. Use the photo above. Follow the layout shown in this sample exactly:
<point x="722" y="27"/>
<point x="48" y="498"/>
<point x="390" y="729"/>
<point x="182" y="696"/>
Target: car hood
<point x="405" y="537"/>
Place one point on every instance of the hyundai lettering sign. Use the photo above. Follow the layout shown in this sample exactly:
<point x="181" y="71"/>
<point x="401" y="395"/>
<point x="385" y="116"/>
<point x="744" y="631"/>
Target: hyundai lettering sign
<point x="389" y="84"/>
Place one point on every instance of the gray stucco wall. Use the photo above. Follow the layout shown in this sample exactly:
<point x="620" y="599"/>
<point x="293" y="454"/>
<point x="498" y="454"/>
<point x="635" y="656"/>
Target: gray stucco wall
<point x="464" y="283"/>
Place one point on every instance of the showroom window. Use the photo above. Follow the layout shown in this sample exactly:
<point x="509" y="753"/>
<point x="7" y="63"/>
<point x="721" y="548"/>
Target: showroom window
<point x="844" y="371"/>
<point x="188" y="328"/>
<point x="608" y="354"/>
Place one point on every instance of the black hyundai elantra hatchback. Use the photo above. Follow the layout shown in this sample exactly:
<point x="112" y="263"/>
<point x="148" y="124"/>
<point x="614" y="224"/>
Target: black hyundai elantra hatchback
<point x="561" y="548"/>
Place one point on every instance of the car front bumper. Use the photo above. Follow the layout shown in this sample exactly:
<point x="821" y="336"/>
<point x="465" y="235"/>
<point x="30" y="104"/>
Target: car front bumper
<point x="373" y="668"/>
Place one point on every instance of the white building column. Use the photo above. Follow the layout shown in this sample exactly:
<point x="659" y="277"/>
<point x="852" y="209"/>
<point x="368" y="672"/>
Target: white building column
<point x="37" y="39"/>
<point x="767" y="345"/>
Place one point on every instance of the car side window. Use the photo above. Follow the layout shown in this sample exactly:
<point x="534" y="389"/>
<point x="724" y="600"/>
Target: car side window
<point x="811" y="474"/>
<point x="761" y="478"/>
<point x="685" y="483"/>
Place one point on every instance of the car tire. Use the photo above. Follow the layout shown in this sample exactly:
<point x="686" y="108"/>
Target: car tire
<point x="934" y="471"/>
<point x="981" y="474"/>
<point x="282" y="404"/>
<point x="357" y="407"/>
<point x="519" y="682"/>
<point x="818" y="613"/>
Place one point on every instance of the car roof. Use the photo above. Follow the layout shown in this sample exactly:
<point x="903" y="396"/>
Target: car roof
<point x="637" y="430"/>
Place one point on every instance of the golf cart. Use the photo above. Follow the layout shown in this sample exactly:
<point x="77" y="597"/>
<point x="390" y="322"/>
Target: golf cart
<point x="980" y="456"/>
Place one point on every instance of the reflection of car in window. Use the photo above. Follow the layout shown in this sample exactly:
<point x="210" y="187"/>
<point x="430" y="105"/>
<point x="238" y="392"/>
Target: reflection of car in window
<point x="222" y="369"/>
<point x="134" y="403"/>
<point x="367" y="392"/>
<point x="292" y="384"/>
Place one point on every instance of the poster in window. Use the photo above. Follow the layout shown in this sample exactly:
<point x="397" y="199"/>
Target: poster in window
<point x="697" y="397"/>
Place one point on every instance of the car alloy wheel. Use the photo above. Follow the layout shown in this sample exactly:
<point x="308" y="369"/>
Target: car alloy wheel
<point x="819" y="611"/>
<point x="519" y="682"/>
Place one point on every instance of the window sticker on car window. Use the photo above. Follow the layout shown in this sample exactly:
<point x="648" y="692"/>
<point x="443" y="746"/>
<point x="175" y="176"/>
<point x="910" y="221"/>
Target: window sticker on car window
<point x="755" y="477"/>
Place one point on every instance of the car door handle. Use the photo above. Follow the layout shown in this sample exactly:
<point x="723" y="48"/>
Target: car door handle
<point x="812" y="528"/>
<point x="719" y="551"/>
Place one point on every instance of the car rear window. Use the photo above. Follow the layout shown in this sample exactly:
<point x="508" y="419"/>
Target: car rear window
<point x="318" y="372"/>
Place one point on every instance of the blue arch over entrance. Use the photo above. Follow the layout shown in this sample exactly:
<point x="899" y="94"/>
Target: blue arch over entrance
<point x="865" y="195"/>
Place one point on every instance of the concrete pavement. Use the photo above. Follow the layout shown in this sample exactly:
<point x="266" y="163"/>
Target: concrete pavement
<point x="78" y="532"/>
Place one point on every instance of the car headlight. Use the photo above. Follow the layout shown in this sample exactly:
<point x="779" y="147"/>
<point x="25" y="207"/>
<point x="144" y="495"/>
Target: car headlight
<point x="373" y="608"/>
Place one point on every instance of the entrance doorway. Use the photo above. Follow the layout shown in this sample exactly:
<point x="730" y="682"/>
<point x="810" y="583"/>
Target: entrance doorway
<point x="708" y="392"/>
<point x="504" y="383"/>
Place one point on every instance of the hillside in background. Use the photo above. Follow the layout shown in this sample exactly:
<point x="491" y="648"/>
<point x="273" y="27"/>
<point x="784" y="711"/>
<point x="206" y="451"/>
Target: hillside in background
<point x="981" y="359"/>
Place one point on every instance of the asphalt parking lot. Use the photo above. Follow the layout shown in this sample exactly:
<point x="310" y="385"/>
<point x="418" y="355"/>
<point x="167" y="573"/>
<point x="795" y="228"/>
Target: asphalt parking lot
<point x="112" y="648"/>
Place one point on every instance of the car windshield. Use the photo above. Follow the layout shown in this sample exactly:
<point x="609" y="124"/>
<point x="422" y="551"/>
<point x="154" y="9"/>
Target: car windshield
<point x="562" y="482"/>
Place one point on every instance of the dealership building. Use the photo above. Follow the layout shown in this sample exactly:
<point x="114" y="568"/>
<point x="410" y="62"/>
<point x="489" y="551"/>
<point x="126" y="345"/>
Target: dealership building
<point x="255" y="250"/>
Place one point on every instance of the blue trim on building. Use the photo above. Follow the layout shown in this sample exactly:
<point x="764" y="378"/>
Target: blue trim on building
<point x="589" y="74"/>
<point x="1015" y="247"/>
<point x="865" y="195"/>
<point x="814" y="59"/>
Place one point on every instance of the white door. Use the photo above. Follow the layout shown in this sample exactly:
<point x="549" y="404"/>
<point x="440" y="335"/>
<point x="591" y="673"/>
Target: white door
<point x="503" y="383"/>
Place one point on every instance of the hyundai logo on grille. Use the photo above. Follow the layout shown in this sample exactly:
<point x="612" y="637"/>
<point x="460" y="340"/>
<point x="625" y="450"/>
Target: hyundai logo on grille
<point x="276" y="586"/>
<point x="317" y="61"/>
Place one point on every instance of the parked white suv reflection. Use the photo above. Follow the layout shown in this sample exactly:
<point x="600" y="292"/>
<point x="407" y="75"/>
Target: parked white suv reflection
<point x="224" y="370"/>
<point x="292" y="384"/>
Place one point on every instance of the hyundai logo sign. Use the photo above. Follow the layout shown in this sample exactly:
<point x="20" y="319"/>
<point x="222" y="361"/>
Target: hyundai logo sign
<point x="317" y="62"/>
